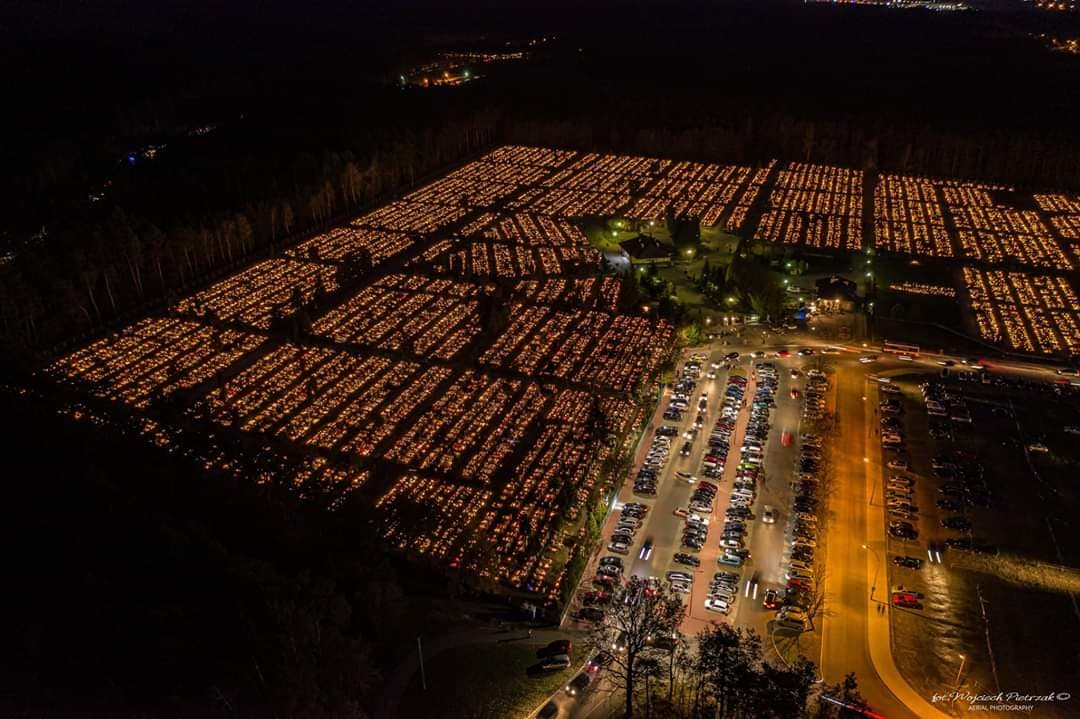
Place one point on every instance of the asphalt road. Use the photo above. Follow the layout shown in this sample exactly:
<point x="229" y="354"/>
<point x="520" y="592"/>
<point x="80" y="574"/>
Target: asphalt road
<point x="847" y="607"/>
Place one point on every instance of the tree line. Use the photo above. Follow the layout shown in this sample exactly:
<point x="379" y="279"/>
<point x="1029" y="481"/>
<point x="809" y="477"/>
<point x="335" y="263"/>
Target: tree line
<point x="80" y="275"/>
<point x="994" y="156"/>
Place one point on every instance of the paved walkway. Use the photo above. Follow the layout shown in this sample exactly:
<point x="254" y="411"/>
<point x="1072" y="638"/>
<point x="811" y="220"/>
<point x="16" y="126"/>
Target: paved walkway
<point x="879" y="627"/>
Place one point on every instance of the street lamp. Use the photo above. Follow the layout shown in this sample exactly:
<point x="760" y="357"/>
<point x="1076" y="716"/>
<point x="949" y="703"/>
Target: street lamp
<point x="960" y="671"/>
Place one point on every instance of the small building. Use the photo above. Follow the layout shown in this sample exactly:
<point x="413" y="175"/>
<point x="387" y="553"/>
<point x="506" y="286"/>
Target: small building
<point x="645" y="250"/>
<point x="836" y="294"/>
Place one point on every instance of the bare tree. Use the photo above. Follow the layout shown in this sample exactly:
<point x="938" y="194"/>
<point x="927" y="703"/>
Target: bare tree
<point x="640" y="613"/>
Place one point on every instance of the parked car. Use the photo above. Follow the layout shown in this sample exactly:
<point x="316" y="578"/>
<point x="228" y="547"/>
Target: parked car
<point x="555" y="663"/>
<point x="908" y="562"/>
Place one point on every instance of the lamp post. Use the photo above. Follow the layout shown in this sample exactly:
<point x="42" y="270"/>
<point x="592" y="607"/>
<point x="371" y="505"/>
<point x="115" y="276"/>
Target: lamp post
<point x="959" y="672"/>
<point x="420" y="653"/>
<point x="877" y="566"/>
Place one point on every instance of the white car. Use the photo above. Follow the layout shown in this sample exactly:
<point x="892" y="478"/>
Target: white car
<point x="768" y="515"/>
<point x="898" y="464"/>
<point x="716" y="605"/>
<point x="792" y="612"/>
<point x="793" y="573"/>
<point x="792" y="623"/>
<point x="867" y="359"/>
<point x="619" y="547"/>
<point x="559" y="661"/>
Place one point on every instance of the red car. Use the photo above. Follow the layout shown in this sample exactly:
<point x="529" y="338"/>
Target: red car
<point x="800" y="584"/>
<point x="783" y="353"/>
<point x="906" y="600"/>
<point x="559" y="646"/>
<point x="596" y="597"/>
<point x="794" y="393"/>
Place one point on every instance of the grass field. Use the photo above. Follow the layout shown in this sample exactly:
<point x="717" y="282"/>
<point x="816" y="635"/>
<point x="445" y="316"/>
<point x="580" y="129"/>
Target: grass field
<point x="485" y="680"/>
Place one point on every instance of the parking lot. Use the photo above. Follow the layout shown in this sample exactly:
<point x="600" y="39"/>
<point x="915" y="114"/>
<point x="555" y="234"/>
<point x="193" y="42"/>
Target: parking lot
<point x="712" y="509"/>
<point x="988" y="527"/>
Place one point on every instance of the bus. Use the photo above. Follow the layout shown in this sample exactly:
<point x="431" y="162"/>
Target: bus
<point x="900" y="348"/>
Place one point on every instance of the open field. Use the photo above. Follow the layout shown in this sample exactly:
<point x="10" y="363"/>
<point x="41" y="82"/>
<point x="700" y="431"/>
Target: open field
<point x="484" y="680"/>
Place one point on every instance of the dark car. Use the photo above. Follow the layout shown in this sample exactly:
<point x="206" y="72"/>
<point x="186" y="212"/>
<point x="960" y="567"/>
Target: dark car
<point x="578" y="684"/>
<point x="908" y="562"/>
<point x="599" y="661"/>
<point x="592" y="614"/>
<point x="907" y="532"/>
<point x="957" y="523"/>
<point x="687" y="559"/>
